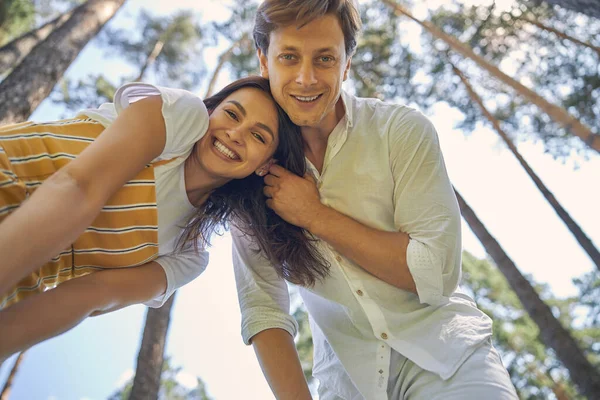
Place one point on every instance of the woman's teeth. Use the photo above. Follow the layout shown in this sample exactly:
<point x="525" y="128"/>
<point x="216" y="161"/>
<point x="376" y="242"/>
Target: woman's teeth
<point x="225" y="151"/>
<point x="307" y="99"/>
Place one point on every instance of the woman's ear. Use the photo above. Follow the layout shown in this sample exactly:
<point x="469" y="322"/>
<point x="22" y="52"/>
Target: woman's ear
<point x="264" y="169"/>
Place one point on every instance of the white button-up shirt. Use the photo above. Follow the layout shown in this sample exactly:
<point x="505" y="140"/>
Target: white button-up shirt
<point x="384" y="168"/>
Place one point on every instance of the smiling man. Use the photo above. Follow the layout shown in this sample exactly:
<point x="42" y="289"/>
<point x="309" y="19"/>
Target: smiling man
<point x="387" y="316"/>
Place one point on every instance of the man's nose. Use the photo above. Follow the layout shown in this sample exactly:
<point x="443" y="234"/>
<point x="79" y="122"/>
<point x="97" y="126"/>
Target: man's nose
<point x="306" y="74"/>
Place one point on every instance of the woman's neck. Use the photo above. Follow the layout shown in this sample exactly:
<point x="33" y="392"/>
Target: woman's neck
<point x="198" y="183"/>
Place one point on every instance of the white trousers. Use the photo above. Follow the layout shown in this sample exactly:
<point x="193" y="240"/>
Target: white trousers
<point x="481" y="376"/>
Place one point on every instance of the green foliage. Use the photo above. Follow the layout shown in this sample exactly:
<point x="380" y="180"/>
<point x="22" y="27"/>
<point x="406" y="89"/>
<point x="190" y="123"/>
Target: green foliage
<point x="534" y="370"/>
<point x="559" y="70"/>
<point x="179" y="62"/>
<point x="16" y="18"/>
<point x="170" y="388"/>
<point x="169" y="51"/>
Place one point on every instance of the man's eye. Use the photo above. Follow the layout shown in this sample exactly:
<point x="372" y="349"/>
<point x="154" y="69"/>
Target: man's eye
<point x="232" y="114"/>
<point x="259" y="137"/>
<point x="326" y="59"/>
<point x="287" y="57"/>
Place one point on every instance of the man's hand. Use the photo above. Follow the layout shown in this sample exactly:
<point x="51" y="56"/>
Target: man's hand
<point x="293" y="198"/>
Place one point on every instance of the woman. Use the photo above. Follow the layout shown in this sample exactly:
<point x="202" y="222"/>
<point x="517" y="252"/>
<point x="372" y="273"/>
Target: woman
<point x="136" y="183"/>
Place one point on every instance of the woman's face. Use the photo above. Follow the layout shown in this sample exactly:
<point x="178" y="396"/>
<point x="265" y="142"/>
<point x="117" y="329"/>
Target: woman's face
<point x="242" y="135"/>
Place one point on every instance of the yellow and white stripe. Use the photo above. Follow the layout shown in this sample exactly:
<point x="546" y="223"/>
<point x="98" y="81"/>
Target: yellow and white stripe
<point x="125" y="233"/>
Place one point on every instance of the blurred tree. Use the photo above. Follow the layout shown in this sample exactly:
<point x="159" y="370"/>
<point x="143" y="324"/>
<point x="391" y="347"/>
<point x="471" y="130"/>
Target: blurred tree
<point x="554" y="51"/>
<point x="13" y="52"/>
<point x="170" y="387"/>
<point x="587" y="7"/>
<point x="33" y="79"/>
<point x="16" y="18"/>
<point x="575" y="229"/>
<point x="556" y="113"/>
<point x="6" y="389"/>
<point x="169" y="51"/>
<point x="553" y="334"/>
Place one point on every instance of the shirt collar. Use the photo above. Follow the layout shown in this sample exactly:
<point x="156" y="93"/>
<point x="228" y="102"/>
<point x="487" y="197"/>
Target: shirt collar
<point x="347" y="99"/>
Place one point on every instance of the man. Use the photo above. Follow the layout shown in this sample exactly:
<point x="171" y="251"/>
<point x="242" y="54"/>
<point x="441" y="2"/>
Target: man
<point x="388" y="321"/>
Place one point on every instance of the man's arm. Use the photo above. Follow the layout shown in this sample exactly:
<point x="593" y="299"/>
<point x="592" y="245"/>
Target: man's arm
<point x="266" y="322"/>
<point x="45" y="315"/>
<point x="423" y="256"/>
<point x="381" y="253"/>
<point x="278" y="358"/>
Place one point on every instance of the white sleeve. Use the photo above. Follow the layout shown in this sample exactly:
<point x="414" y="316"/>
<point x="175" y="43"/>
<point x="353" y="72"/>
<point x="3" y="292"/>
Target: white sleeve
<point x="186" y="117"/>
<point x="425" y="207"/>
<point x="263" y="295"/>
<point x="180" y="269"/>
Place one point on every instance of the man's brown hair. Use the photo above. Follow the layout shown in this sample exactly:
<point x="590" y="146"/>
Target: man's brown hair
<point x="273" y="14"/>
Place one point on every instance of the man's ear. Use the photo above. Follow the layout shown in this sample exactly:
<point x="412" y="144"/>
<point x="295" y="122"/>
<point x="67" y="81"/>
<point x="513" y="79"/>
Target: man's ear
<point x="347" y="69"/>
<point x="264" y="63"/>
<point x="264" y="169"/>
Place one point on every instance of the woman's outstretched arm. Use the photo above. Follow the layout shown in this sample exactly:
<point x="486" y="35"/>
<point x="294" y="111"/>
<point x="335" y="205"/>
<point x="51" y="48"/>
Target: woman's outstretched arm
<point x="45" y="315"/>
<point x="67" y="203"/>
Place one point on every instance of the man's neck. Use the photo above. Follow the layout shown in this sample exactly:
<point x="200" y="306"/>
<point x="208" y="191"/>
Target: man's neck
<point x="316" y="137"/>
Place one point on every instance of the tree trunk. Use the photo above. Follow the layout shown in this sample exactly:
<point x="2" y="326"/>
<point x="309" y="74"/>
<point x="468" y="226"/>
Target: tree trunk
<point x="33" y="79"/>
<point x="146" y="383"/>
<point x="590" y="8"/>
<point x="575" y="229"/>
<point x="223" y="58"/>
<point x="531" y="19"/>
<point x="13" y="52"/>
<point x="552" y="333"/>
<point x="151" y="59"/>
<point x="5" y="393"/>
<point x="556" y="113"/>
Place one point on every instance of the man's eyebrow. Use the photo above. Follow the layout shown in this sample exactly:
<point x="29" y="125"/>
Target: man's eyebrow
<point x="321" y="50"/>
<point x="239" y="106"/>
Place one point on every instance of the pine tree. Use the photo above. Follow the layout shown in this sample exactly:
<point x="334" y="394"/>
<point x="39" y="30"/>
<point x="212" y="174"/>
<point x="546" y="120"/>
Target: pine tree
<point x="33" y="79"/>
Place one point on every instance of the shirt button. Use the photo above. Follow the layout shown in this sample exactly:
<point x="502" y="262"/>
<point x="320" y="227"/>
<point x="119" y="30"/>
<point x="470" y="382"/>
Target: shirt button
<point x="359" y="292"/>
<point x="338" y="258"/>
<point x="384" y="336"/>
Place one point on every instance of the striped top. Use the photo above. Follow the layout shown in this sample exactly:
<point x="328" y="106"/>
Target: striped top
<point x="129" y="230"/>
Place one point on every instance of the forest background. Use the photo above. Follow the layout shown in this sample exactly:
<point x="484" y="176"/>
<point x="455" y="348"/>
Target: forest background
<point x="513" y="87"/>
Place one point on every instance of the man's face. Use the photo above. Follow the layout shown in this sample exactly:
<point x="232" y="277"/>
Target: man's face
<point x="306" y="68"/>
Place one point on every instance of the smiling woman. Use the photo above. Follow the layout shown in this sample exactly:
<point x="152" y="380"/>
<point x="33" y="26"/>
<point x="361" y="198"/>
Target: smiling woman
<point x="148" y="179"/>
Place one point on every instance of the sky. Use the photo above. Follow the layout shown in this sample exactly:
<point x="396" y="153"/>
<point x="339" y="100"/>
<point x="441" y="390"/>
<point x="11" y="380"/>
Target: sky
<point x="91" y="361"/>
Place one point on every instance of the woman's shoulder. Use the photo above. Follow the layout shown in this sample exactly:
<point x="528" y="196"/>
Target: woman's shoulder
<point x="184" y="113"/>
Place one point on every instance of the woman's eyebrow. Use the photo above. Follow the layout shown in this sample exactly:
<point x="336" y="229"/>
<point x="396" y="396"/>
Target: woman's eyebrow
<point x="267" y="129"/>
<point x="259" y="124"/>
<point x="239" y="106"/>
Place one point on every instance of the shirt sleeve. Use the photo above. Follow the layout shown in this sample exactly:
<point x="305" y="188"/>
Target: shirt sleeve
<point x="263" y="296"/>
<point x="185" y="115"/>
<point x="425" y="207"/>
<point x="180" y="269"/>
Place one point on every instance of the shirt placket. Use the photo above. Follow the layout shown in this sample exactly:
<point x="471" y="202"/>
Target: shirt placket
<point x="378" y="324"/>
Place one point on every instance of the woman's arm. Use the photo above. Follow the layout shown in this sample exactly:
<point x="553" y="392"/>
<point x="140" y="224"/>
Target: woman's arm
<point x="45" y="315"/>
<point x="67" y="203"/>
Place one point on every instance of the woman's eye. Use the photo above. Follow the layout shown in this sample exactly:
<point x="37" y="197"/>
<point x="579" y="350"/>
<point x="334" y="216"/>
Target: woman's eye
<point x="232" y="114"/>
<point x="258" y="136"/>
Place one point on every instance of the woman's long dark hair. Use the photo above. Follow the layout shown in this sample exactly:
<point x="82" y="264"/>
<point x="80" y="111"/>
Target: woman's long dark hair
<point x="241" y="202"/>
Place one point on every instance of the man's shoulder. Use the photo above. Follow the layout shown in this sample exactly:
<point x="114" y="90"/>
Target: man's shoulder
<point x="385" y="109"/>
